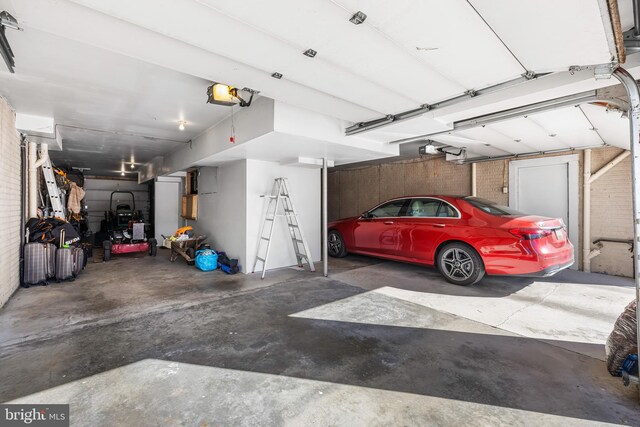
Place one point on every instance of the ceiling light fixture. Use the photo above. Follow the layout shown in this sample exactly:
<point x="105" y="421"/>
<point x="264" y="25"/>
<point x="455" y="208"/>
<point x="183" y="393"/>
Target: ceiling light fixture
<point x="181" y="124"/>
<point x="358" y="18"/>
<point x="276" y="75"/>
<point x="122" y="173"/>
<point x="221" y="94"/>
<point x="132" y="166"/>
<point x="310" y="53"/>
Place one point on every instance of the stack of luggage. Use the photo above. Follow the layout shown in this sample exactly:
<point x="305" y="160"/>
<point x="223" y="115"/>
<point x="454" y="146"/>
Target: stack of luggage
<point x="53" y="252"/>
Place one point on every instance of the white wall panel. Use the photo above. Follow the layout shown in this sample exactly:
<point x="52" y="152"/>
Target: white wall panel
<point x="304" y="186"/>
<point x="10" y="195"/>
<point x="222" y="209"/>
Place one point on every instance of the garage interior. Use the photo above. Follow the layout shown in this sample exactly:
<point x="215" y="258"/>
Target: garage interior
<point x="532" y="105"/>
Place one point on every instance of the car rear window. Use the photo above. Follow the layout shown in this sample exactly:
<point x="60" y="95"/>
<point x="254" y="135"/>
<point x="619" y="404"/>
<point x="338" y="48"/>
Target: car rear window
<point x="491" y="207"/>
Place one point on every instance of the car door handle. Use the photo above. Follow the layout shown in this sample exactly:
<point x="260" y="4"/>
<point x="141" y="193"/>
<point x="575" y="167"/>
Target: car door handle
<point x="388" y="222"/>
<point x="439" y="225"/>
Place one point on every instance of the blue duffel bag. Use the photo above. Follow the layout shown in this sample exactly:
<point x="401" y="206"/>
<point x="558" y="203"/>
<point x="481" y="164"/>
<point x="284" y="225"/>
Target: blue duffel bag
<point x="206" y="260"/>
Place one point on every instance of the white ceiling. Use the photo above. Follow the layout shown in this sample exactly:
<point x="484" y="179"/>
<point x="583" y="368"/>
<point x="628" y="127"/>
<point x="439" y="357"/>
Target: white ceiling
<point x="581" y="126"/>
<point x="286" y="149"/>
<point x="91" y="88"/>
<point x="376" y="65"/>
<point x="137" y="67"/>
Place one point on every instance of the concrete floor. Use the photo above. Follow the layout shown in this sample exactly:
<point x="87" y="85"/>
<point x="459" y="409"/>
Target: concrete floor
<point x="142" y="341"/>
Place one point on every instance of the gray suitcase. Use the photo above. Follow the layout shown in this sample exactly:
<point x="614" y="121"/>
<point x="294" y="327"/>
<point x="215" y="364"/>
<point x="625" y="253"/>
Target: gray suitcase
<point x="78" y="260"/>
<point x="64" y="264"/>
<point x="39" y="263"/>
<point x="69" y="263"/>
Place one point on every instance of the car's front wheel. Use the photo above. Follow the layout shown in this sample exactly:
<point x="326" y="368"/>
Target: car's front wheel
<point x="336" y="248"/>
<point x="460" y="264"/>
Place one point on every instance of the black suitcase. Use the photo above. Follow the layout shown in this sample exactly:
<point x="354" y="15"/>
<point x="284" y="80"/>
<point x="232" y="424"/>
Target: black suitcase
<point x="39" y="263"/>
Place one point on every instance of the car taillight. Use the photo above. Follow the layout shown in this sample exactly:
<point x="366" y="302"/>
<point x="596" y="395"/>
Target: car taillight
<point x="530" y="233"/>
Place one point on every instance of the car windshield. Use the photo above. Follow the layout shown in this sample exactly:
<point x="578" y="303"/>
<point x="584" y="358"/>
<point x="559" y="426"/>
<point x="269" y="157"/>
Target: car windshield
<point x="491" y="207"/>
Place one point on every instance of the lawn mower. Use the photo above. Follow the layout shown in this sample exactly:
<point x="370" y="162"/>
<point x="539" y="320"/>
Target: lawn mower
<point x="126" y="229"/>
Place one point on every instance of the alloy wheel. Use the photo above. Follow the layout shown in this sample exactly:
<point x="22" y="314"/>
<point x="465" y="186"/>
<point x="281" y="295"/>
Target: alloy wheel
<point x="335" y="244"/>
<point x="457" y="264"/>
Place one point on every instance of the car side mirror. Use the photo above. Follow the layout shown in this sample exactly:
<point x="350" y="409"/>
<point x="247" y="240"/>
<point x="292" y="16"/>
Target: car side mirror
<point x="366" y="215"/>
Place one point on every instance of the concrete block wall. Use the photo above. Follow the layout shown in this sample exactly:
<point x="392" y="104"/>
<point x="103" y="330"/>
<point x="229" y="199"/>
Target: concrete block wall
<point x="492" y="177"/>
<point x="352" y="191"/>
<point x="10" y="207"/>
<point x="611" y="213"/>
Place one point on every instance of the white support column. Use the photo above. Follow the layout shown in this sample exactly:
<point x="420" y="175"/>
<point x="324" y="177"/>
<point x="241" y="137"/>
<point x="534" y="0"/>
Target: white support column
<point x="474" y="180"/>
<point x="633" y="92"/>
<point x="586" y="212"/>
<point x="325" y="220"/>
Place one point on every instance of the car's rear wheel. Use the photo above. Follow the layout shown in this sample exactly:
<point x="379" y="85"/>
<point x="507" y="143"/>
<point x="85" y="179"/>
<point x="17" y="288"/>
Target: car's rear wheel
<point x="460" y="264"/>
<point x="336" y="245"/>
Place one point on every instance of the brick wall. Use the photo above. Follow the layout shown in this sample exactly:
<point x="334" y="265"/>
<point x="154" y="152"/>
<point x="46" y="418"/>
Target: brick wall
<point x="353" y="191"/>
<point x="491" y="178"/>
<point x="611" y="213"/>
<point x="10" y="205"/>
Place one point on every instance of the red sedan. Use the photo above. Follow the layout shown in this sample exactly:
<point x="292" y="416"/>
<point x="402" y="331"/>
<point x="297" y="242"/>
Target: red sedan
<point x="464" y="237"/>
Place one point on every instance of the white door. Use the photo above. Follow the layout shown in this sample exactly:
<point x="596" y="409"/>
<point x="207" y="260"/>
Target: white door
<point x="547" y="187"/>
<point x="167" y="205"/>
